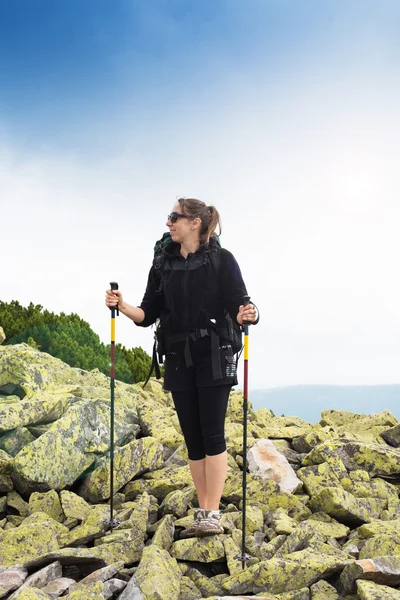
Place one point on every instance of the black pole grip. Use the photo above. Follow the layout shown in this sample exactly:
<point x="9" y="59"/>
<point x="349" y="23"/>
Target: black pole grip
<point x="246" y="301"/>
<point x="114" y="286"/>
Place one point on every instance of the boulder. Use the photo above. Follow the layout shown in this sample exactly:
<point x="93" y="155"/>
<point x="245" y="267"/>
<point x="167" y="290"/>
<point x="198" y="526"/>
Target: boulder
<point x="265" y="461"/>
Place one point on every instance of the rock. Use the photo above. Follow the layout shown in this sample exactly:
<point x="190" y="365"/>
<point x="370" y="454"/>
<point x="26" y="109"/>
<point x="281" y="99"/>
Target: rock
<point x="112" y="587"/>
<point x="281" y="523"/>
<point x="327" y="526"/>
<point x="392" y="436"/>
<point x="15" y="501"/>
<point x="129" y="461"/>
<point x="6" y="484"/>
<point x="265" y="461"/>
<point x="88" y="592"/>
<point x="159" y="482"/>
<point x="318" y="477"/>
<point x="49" y="503"/>
<point x="156" y="421"/>
<point x="40" y="579"/>
<point x="376" y="527"/>
<point x="164" y="535"/>
<point x="202" y="550"/>
<point x="376" y="459"/>
<point x="82" y="558"/>
<point x="11" y="579"/>
<point x="58" y="586"/>
<point x="322" y="590"/>
<point x="26" y="542"/>
<point x="6" y="461"/>
<point x="62" y="454"/>
<point x="93" y="526"/>
<point x="277" y="576"/>
<point x="99" y="575"/>
<point x="132" y="591"/>
<point x="73" y="506"/>
<point x="158" y="574"/>
<point x="381" y="545"/>
<point x="33" y="593"/>
<point x="176" y="502"/>
<point x="345" y="507"/>
<point x="367" y="590"/>
<point x="2" y="335"/>
<point x="13" y="441"/>
<point x="384" y="570"/>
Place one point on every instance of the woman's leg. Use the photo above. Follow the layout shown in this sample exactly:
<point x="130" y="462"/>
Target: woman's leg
<point x="186" y="404"/>
<point x="213" y="402"/>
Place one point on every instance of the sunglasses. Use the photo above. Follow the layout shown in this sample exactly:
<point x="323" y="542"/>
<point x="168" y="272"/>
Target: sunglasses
<point x="174" y="216"/>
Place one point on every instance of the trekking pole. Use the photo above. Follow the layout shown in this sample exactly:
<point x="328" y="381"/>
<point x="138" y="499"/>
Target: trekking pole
<point x="245" y="557"/>
<point x="112" y="522"/>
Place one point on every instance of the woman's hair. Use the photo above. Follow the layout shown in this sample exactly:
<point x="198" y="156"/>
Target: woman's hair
<point x="209" y="216"/>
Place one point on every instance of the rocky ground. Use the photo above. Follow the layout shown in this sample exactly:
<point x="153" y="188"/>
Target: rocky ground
<point x="323" y="515"/>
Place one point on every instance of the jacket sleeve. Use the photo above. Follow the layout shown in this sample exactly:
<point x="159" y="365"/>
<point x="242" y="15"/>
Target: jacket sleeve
<point x="153" y="300"/>
<point x="233" y="287"/>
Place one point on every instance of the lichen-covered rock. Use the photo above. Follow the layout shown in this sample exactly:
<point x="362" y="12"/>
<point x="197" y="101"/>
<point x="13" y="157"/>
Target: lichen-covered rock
<point x="156" y="421"/>
<point x="384" y="569"/>
<point x="133" y="459"/>
<point x="41" y="519"/>
<point x="392" y="436"/>
<point x="15" y="501"/>
<point x="176" y="503"/>
<point x="62" y="454"/>
<point x="159" y="482"/>
<point x="164" y="534"/>
<point x="158" y="574"/>
<point x="376" y="459"/>
<point x="367" y="590"/>
<point x="49" y="503"/>
<point x="376" y="527"/>
<point x="318" y="477"/>
<point x="22" y="543"/>
<point x="327" y="526"/>
<point x="281" y="523"/>
<point x="58" y="586"/>
<point x="73" y="506"/>
<point x="345" y="507"/>
<point x="322" y="590"/>
<point x="381" y="545"/>
<point x="6" y="462"/>
<point x="33" y="593"/>
<point x="92" y="527"/>
<point x="88" y="592"/>
<point x="265" y="461"/>
<point x="203" y="550"/>
<point x="13" y="441"/>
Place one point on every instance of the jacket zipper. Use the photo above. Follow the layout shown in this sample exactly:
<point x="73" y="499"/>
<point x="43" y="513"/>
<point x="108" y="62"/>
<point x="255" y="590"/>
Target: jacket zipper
<point x="185" y="295"/>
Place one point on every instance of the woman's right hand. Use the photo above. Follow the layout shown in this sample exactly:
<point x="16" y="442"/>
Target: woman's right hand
<point x="114" y="297"/>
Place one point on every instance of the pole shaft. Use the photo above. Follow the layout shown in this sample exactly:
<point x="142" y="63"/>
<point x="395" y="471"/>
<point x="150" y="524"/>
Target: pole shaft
<point x="112" y="387"/>
<point x="245" y="410"/>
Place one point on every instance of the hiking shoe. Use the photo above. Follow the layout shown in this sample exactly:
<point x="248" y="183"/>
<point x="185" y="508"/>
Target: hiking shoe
<point x="210" y="524"/>
<point x="199" y="513"/>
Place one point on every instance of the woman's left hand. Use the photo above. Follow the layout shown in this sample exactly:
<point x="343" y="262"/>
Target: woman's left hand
<point x="246" y="313"/>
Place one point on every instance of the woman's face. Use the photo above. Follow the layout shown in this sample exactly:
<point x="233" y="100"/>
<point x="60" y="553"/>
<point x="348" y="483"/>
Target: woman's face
<point x="182" y="228"/>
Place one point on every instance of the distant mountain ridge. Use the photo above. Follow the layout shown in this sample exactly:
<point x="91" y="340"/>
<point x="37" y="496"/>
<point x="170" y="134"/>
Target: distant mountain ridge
<point x="307" y="401"/>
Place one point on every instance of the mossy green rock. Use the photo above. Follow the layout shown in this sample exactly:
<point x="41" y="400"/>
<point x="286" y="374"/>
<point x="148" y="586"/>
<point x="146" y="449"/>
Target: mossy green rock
<point x="48" y="502"/>
<point x="319" y="477"/>
<point x="23" y="543"/>
<point x="376" y="459"/>
<point x="327" y="526"/>
<point x="392" y="436"/>
<point x="73" y="506"/>
<point x="159" y="483"/>
<point x="6" y="463"/>
<point x="88" y="592"/>
<point x="13" y="441"/>
<point x="42" y="519"/>
<point x="322" y="590"/>
<point x="135" y="458"/>
<point x="33" y="593"/>
<point x="164" y="535"/>
<point x="381" y="545"/>
<point x="158" y="574"/>
<point x="278" y="575"/>
<point x="203" y="550"/>
<point x="176" y="503"/>
<point x="156" y="421"/>
<point x="367" y="590"/>
<point x="345" y="507"/>
<point x="15" y="501"/>
<point x="376" y="527"/>
<point x="281" y="523"/>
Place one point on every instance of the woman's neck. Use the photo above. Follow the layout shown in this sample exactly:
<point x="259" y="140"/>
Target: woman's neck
<point x="189" y="246"/>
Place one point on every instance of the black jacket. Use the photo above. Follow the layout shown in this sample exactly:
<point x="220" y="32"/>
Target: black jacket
<point x="192" y="290"/>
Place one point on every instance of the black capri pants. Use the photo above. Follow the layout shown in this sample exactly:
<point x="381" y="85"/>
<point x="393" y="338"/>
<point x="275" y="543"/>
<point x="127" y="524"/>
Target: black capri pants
<point x="200" y="401"/>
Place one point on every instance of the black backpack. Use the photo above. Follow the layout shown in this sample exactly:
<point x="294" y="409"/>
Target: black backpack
<point x="226" y="328"/>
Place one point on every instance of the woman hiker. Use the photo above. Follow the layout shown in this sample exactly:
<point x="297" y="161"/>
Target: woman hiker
<point x="196" y="290"/>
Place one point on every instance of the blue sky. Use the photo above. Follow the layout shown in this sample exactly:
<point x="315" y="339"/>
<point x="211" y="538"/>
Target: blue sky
<point x="284" y="114"/>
